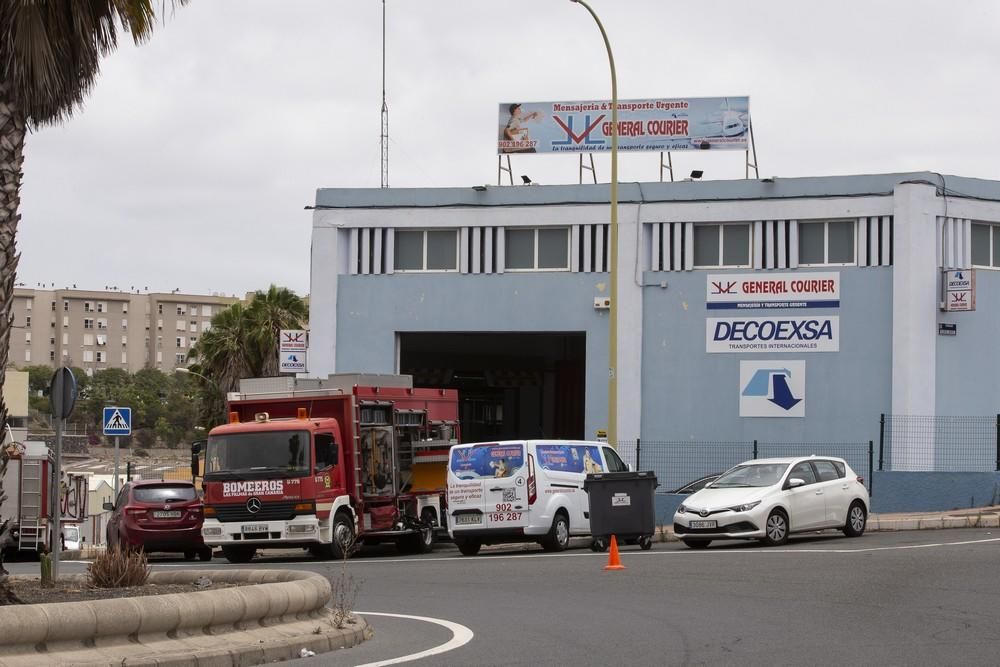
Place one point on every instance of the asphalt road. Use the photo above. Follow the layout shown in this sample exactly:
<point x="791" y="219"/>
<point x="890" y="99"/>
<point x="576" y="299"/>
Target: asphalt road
<point x="907" y="598"/>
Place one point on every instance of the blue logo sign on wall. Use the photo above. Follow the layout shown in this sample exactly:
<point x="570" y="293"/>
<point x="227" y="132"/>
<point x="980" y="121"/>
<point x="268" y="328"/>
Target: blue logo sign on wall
<point x="772" y="388"/>
<point x="117" y="421"/>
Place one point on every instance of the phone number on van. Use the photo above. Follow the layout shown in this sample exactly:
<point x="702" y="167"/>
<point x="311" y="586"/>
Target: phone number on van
<point x="504" y="513"/>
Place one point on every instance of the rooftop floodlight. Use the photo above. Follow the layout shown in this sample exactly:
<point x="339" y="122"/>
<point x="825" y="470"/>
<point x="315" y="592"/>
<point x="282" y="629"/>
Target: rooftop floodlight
<point x="525" y="179"/>
<point x="697" y="173"/>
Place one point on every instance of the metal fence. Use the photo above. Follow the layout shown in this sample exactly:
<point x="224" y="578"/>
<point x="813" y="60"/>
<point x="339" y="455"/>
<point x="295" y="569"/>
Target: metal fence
<point x="940" y="444"/>
<point x="136" y="470"/>
<point x="676" y="463"/>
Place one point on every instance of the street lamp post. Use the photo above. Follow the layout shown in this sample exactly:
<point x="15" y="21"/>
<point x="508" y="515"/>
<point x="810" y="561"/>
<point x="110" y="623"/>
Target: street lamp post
<point x="612" y="244"/>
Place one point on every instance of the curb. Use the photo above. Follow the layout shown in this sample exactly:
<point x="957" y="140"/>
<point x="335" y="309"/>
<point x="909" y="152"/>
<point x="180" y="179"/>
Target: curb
<point x="283" y="612"/>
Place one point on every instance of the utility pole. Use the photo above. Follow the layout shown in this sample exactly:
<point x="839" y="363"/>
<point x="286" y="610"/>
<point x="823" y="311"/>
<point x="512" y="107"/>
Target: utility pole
<point x="384" y="139"/>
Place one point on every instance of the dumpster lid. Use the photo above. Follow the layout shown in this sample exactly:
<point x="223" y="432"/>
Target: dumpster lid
<point x="620" y="476"/>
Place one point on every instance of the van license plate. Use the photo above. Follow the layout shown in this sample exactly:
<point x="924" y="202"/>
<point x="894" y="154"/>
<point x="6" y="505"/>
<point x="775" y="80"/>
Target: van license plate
<point x="162" y="514"/>
<point x="254" y="528"/>
<point x="703" y="524"/>
<point x="465" y="519"/>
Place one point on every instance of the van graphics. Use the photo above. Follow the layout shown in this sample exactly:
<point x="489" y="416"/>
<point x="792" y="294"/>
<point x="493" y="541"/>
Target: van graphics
<point x="491" y="460"/>
<point x="261" y="487"/>
<point x="773" y="334"/>
<point x="739" y="291"/>
<point x="567" y="457"/>
<point x="463" y="494"/>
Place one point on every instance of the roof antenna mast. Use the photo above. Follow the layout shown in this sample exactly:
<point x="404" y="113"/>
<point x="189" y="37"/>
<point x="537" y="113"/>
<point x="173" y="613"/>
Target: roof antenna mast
<point x="384" y="138"/>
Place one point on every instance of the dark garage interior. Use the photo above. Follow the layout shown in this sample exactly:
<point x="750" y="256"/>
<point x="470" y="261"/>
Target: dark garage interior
<point x="511" y="385"/>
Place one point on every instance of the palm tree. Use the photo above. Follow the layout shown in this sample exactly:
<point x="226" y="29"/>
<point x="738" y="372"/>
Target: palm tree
<point x="50" y="52"/>
<point x="223" y="353"/>
<point x="271" y="311"/>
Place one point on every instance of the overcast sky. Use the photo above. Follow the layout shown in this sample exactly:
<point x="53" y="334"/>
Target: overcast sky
<point x="190" y="164"/>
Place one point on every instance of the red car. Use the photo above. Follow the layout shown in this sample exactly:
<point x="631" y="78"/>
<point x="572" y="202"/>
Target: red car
<point x="158" y="516"/>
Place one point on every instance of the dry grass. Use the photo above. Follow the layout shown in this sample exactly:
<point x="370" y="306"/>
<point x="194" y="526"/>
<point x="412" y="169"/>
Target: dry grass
<point x="118" y="568"/>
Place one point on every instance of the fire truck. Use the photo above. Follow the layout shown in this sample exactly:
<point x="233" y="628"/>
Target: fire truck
<point x="27" y="483"/>
<point x="328" y="465"/>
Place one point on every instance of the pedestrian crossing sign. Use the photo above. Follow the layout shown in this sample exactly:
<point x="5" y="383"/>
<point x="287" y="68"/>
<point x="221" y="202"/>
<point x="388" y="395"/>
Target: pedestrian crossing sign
<point x="117" y="421"/>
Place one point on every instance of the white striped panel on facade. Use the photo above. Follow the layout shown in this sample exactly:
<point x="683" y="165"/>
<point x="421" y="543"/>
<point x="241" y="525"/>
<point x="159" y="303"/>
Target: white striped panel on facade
<point x="759" y="261"/>
<point x="782" y="245"/>
<point x="366" y="235"/>
<point x="885" y="227"/>
<point x="390" y="251"/>
<point x="574" y="249"/>
<point x="477" y="237"/>
<point x="586" y="231"/>
<point x="769" y="229"/>
<point x="872" y="242"/>
<point x="793" y="244"/>
<point x="656" y="246"/>
<point x="688" y="257"/>
<point x="488" y="250"/>
<point x="377" y="251"/>
<point x="463" y="253"/>
<point x="353" y="252"/>
<point x="599" y="248"/>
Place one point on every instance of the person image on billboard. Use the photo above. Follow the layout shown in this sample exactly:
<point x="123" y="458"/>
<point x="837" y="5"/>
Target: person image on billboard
<point x="515" y="130"/>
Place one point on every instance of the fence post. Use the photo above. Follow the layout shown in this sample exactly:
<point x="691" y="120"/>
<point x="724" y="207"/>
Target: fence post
<point x="128" y="471"/>
<point x="998" y="443"/>
<point x="871" y="473"/>
<point x="881" y="441"/>
<point x="638" y="450"/>
<point x="755" y="448"/>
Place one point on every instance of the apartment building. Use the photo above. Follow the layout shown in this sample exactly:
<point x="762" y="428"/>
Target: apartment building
<point x="95" y="330"/>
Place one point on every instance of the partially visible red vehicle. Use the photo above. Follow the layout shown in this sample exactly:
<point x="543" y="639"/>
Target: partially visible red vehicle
<point x="158" y="516"/>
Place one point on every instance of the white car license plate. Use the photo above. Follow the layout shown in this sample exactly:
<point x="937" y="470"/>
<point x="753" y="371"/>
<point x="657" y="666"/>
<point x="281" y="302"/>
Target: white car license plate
<point x="703" y="524"/>
<point x="254" y="528"/>
<point x="466" y="519"/>
<point x="164" y="514"/>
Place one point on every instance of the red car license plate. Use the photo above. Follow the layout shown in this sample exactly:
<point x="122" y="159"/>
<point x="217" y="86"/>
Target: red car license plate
<point x="167" y="514"/>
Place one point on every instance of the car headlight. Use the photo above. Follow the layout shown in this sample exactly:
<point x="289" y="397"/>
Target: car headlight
<point x="746" y="507"/>
<point x="681" y="509"/>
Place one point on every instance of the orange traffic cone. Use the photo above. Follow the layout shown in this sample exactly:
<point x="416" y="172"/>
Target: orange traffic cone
<point x="614" y="561"/>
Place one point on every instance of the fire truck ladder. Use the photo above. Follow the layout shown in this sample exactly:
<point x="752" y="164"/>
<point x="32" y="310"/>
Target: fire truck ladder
<point x="30" y="528"/>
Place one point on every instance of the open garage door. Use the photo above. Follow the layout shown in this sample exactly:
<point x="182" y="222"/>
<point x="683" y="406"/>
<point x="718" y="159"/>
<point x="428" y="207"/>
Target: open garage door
<point x="511" y="385"/>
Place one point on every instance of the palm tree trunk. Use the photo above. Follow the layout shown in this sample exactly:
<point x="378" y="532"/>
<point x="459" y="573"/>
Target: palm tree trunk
<point x="12" y="131"/>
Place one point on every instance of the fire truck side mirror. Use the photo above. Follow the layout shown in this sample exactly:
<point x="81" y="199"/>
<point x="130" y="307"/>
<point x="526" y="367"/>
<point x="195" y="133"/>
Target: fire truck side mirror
<point x="196" y="448"/>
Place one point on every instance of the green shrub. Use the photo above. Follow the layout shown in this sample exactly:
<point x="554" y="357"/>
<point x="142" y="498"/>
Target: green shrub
<point x="118" y="568"/>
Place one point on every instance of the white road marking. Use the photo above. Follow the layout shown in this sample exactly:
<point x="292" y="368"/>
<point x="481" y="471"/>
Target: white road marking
<point x="460" y="636"/>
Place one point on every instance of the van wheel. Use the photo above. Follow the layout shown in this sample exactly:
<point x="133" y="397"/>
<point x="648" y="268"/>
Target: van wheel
<point x="558" y="537"/>
<point x="239" y="554"/>
<point x="468" y="547"/>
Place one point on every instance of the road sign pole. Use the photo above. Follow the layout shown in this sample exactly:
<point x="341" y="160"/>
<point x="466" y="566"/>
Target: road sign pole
<point x="56" y="538"/>
<point x="116" y="468"/>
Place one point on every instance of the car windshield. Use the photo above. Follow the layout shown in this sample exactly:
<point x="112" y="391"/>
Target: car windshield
<point x="258" y="454"/>
<point x="751" y="475"/>
<point x="166" y="493"/>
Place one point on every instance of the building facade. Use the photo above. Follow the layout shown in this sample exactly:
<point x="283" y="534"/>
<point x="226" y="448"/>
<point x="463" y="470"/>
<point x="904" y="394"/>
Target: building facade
<point x="784" y="310"/>
<point x="95" y="330"/>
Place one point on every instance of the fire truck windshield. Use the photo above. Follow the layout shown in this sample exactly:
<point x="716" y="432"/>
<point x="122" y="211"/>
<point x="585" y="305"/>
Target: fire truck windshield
<point x="258" y="455"/>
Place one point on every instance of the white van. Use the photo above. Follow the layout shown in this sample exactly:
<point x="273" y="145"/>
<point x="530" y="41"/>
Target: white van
<point x="523" y="491"/>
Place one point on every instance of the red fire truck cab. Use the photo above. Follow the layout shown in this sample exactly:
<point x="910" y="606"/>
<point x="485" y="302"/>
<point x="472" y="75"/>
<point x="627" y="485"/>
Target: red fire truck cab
<point x="327" y="464"/>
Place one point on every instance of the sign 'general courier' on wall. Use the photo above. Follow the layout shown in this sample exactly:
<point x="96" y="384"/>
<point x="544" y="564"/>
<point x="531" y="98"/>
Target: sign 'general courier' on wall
<point x="776" y="333"/>
<point x="663" y="124"/>
<point x="748" y="291"/>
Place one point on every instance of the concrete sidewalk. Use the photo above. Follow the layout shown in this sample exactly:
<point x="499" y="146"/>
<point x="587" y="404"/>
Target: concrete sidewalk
<point x="979" y="517"/>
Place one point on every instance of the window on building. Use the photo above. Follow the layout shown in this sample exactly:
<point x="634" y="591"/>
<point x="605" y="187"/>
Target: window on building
<point x="102" y="340"/>
<point x="159" y="357"/>
<point x="180" y="325"/>
<point x="88" y="355"/>
<point x="426" y="250"/>
<point x="181" y="310"/>
<point x="65" y="353"/>
<point x="179" y="341"/>
<point x="100" y="356"/>
<point x="159" y="309"/>
<point x="65" y="321"/>
<point x="193" y="310"/>
<point x="88" y="306"/>
<point x="65" y="339"/>
<point x="193" y="327"/>
<point x="52" y="355"/>
<point x="827" y="242"/>
<point x="986" y="245"/>
<point x="88" y="323"/>
<point x="125" y="308"/>
<point x="52" y="340"/>
<point x="179" y="359"/>
<point x="27" y="320"/>
<point x="193" y="340"/>
<point x="27" y="336"/>
<point x="53" y="306"/>
<point x="205" y="326"/>
<point x="124" y="358"/>
<point x="159" y="325"/>
<point x="102" y="324"/>
<point x="124" y="325"/>
<point x="206" y="311"/>
<point x="102" y="307"/>
<point x="27" y="304"/>
<point x="722" y="245"/>
<point x="541" y="249"/>
<point x="65" y="306"/>
<point x="27" y="354"/>
<point x="88" y="339"/>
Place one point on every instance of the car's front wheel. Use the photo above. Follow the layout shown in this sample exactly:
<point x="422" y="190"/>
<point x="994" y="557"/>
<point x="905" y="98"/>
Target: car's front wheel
<point x="697" y="544"/>
<point x="857" y="519"/>
<point x="776" y="528"/>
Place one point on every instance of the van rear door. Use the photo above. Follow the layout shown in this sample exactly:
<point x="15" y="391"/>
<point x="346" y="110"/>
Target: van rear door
<point x="487" y="486"/>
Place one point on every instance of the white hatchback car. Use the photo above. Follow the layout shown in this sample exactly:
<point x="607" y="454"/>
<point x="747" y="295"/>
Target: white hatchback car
<point x="768" y="499"/>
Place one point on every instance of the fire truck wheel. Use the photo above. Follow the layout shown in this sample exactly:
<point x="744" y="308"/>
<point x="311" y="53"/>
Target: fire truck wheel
<point x="468" y="547"/>
<point x="343" y="536"/>
<point x="420" y="543"/>
<point x="240" y="554"/>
